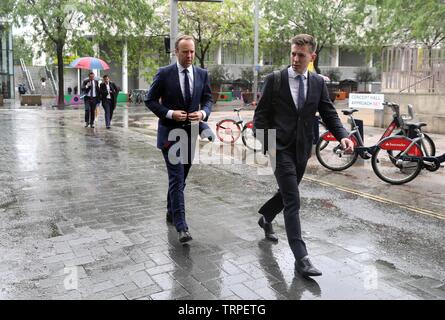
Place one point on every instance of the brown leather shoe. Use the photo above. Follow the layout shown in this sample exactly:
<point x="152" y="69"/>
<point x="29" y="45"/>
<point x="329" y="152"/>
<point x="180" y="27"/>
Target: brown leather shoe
<point x="268" y="229"/>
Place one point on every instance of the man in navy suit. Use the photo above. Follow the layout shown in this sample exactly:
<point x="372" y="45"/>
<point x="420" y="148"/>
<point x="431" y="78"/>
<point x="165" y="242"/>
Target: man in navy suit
<point x="290" y="112"/>
<point x="92" y="95"/>
<point x="181" y="97"/>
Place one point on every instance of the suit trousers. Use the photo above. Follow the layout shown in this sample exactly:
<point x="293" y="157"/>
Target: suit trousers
<point x="90" y="109"/>
<point x="288" y="173"/>
<point x="108" y="107"/>
<point x="177" y="175"/>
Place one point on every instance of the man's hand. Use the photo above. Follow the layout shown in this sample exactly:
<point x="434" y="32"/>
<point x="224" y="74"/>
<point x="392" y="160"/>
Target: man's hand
<point x="347" y="145"/>
<point x="195" y="116"/>
<point x="179" y="115"/>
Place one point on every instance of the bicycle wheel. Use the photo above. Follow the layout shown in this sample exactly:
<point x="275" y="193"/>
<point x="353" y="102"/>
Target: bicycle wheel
<point x="428" y="147"/>
<point x="228" y="131"/>
<point x="330" y="155"/>
<point x="389" y="167"/>
<point x="248" y="138"/>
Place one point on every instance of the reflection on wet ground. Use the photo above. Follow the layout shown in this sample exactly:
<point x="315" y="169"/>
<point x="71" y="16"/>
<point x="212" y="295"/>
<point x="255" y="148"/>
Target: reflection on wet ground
<point x="82" y="216"/>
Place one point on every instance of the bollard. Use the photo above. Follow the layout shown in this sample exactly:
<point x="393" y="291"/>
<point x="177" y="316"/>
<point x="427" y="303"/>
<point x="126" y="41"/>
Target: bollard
<point x="316" y="133"/>
<point x="316" y="130"/>
<point x="359" y="123"/>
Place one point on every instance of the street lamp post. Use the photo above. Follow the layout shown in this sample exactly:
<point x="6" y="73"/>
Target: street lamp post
<point x="173" y="28"/>
<point x="255" y="54"/>
<point x="174" y="24"/>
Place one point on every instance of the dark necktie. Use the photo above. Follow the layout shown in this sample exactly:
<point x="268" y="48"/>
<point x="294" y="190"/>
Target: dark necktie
<point x="188" y="97"/>
<point x="301" y="98"/>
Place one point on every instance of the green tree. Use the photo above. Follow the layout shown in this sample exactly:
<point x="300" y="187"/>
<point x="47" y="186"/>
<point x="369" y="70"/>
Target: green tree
<point x="22" y="49"/>
<point x="134" y="24"/>
<point x="54" y="22"/>
<point x="60" y="22"/>
<point x="213" y="23"/>
<point x="327" y="20"/>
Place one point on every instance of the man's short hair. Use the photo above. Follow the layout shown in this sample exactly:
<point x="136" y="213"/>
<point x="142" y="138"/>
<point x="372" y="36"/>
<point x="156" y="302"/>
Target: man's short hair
<point x="105" y="76"/>
<point x="91" y="73"/>
<point x="183" y="37"/>
<point x="305" y="39"/>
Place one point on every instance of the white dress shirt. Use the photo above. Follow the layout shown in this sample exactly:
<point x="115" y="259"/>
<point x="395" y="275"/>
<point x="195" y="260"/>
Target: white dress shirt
<point x="108" y="90"/>
<point x="181" y="83"/>
<point x="294" y="84"/>
<point x="93" y="89"/>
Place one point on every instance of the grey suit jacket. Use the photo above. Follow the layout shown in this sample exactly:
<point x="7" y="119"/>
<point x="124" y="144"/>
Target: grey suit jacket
<point x="292" y="124"/>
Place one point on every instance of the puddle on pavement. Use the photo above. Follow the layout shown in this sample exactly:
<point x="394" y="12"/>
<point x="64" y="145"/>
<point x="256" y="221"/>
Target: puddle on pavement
<point x="7" y="200"/>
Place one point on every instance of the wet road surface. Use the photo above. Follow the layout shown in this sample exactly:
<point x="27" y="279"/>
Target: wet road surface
<point x="82" y="217"/>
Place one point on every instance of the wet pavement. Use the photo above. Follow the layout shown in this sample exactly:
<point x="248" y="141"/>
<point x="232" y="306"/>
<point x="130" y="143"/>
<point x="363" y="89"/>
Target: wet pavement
<point x="82" y="216"/>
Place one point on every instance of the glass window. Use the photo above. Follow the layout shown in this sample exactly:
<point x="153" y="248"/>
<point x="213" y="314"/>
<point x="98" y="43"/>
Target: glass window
<point x="349" y="58"/>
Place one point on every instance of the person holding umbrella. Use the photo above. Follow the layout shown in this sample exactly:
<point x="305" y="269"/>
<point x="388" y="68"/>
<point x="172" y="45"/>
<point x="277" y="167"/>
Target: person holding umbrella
<point x="90" y="88"/>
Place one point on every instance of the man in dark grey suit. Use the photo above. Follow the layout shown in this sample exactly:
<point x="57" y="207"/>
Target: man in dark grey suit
<point x="301" y="94"/>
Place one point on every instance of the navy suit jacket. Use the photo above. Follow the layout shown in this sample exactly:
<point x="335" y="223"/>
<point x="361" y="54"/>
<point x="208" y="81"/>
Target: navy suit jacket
<point x="165" y="94"/>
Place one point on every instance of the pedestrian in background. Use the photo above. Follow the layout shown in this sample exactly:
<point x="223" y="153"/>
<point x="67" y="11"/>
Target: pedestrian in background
<point x="90" y="88"/>
<point x="108" y="94"/>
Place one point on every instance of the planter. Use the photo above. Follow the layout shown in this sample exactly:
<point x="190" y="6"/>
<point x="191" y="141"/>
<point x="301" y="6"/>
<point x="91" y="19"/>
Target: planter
<point x="215" y="96"/>
<point x="341" y="95"/>
<point x="1" y="99"/>
<point x="333" y="95"/>
<point x="247" y="97"/>
<point x="31" y="100"/>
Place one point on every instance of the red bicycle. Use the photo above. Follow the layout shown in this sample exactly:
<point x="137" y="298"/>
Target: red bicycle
<point x="229" y="131"/>
<point x="398" y="160"/>
<point x="331" y="155"/>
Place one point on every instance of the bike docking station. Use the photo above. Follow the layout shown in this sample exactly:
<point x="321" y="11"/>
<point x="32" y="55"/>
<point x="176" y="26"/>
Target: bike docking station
<point x="397" y="158"/>
<point x="368" y="102"/>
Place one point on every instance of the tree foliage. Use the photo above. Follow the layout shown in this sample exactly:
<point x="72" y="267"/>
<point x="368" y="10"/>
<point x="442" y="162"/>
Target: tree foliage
<point x="398" y="22"/>
<point x="22" y="49"/>
<point x="60" y="22"/>
<point x="329" y="21"/>
<point x="213" y="23"/>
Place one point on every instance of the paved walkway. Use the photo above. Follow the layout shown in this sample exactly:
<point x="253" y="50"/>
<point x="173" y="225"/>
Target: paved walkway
<point x="82" y="216"/>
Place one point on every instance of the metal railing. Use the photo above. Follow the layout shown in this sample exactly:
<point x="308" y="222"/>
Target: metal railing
<point x="28" y="76"/>
<point x="413" y="70"/>
<point x="50" y="76"/>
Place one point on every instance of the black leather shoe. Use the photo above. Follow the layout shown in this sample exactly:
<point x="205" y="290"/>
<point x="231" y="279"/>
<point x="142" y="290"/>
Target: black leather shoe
<point x="86" y="126"/>
<point x="168" y="217"/>
<point x="92" y="126"/>
<point x="305" y="267"/>
<point x="268" y="229"/>
<point x="184" y="236"/>
<point x="108" y="127"/>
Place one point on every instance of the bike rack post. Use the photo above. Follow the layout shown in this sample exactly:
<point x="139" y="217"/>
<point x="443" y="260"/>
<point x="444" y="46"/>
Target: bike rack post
<point x="360" y="128"/>
<point x="316" y="129"/>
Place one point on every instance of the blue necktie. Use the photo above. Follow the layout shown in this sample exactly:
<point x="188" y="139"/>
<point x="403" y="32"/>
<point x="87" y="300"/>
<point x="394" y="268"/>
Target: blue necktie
<point x="301" y="99"/>
<point x="188" y="97"/>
